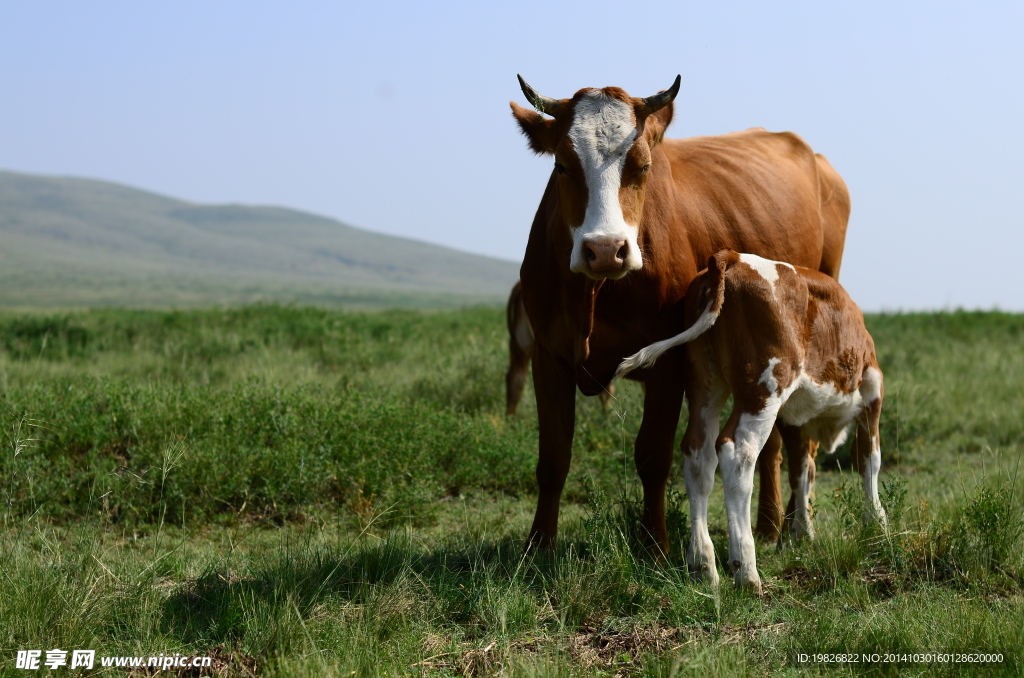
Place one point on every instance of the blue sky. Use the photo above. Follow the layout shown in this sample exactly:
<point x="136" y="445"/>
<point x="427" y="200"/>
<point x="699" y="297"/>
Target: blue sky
<point x="394" y="116"/>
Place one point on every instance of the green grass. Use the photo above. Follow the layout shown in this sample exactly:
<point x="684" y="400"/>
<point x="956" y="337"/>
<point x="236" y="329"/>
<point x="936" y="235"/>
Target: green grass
<point x="328" y="493"/>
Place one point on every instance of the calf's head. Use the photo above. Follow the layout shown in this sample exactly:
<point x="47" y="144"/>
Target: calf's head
<point x="602" y="141"/>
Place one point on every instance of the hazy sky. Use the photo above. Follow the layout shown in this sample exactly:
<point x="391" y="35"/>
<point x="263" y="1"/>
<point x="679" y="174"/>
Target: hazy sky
<point x="394" y="116"/>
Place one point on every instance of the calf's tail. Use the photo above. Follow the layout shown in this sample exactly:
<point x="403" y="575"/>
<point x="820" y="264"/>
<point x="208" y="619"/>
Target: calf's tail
<point x="711" y="288"/>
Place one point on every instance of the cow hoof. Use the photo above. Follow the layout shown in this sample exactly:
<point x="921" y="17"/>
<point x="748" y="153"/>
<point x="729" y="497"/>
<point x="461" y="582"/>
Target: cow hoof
<point x="748" y="582"/>
<point x="745" y="576"/>
<point x="538" y="542"/>
<point x="877" y="516"/>
<point x="755" y="588"/>
<point x="703" y="573"/>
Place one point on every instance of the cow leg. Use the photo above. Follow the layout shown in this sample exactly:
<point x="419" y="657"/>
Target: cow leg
<point x="738" y="448"/>
<point x="515" y="378"/>
<point x="701" y="459"/>
<point x="555" y="388"/>
<point x="867" y="452"/>
<point x="769" y="500"/>
<point x="800" y="454"/>
<point x="663" y="399"/>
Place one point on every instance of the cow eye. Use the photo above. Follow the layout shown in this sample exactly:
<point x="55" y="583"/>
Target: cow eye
<point x="560" y="168"/>
<point x="645" y="168"/>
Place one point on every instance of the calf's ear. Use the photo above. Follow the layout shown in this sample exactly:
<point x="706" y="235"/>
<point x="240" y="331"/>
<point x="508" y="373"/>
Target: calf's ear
<point x="541" y="132"/>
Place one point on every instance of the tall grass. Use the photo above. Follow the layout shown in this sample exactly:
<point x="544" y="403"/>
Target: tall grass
<point x="325" y="493"/>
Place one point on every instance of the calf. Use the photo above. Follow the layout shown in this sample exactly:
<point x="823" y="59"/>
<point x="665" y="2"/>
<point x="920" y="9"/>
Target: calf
<point x="786" y="342"/>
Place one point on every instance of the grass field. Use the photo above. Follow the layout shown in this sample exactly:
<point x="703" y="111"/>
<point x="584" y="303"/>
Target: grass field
<point x="294" y="491"/>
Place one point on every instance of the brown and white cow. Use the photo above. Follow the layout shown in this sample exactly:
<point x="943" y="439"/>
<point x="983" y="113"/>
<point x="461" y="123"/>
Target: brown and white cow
<point x="520" y="350"/>
<point x="627" y="220"/>
<point x="786" y="343"/>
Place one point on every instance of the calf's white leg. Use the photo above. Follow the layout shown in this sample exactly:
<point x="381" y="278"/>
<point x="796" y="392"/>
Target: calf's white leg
<point x="802" y="526"/>
<point x="867" y="456"/>
<point x="738" y="458"/>
<point x="801" y="451"/>
<point x="699" y="471"/>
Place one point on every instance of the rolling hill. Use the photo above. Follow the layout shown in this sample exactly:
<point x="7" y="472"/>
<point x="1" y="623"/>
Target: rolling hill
<point x="81" y="242"/>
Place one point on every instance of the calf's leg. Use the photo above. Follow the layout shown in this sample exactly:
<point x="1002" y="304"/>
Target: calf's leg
<point x="867" y="452"/>
<point x="738" y="448"/>
<point x="769" y="498"/>
<point x="705" y="406"/>
<point x="800" y="454"/>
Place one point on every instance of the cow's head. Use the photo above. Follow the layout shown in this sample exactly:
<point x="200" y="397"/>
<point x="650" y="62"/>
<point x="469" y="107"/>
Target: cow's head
<point x="602" y="141"/>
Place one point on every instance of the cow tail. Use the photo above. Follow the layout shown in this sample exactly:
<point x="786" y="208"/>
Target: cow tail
<point x="713" y="285"/>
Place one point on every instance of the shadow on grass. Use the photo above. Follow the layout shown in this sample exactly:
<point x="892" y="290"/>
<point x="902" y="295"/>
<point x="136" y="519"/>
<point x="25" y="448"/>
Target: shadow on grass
<point x="479" y="583"/>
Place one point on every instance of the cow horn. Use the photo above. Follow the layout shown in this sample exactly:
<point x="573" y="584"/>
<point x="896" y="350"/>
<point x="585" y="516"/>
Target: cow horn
<point x="541" y="103"/>
<point x="662" y="99"/>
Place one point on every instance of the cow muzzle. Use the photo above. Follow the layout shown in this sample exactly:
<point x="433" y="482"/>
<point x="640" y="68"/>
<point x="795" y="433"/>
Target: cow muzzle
<point x="604" y="257"/>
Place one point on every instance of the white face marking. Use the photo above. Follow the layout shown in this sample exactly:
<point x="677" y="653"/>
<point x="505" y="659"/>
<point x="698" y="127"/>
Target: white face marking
<point x="602" y="132"/>
<point x="766" y="268"/>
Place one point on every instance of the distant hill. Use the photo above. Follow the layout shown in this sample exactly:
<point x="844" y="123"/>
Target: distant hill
<point x="80" y="242"/>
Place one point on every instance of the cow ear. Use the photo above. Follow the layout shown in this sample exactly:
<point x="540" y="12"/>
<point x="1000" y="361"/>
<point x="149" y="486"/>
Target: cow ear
<point x="540" y="131"/>
<point x="656" y="124"/>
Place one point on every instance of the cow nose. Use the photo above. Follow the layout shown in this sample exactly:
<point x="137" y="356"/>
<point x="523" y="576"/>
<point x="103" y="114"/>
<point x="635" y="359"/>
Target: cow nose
<point x="605" y="256"/>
